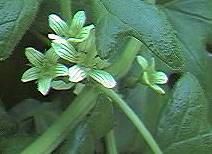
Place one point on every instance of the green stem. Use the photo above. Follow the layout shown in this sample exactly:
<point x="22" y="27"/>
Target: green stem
<point x="55" y="134"/>
<point x="110" y="143"/>
<point x="123" y="64"/>
<point x="150" y="1"/>
<point x="133" y="118"/>
<point x="65" y="9"/>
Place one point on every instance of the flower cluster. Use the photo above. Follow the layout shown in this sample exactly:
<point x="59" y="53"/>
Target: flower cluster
<point x="150" y="76"/>
<point x="74" y="43"/>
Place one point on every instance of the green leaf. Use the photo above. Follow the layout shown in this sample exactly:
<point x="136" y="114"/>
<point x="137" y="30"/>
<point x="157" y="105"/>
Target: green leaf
<point x="44" y="85"/>
<point x="197" y="13"/>
<point x="35" y="57"/>
<point x="58" y="25"/>
<point x="196" y="40"/>
<point x="16" y="17"/>
<point x="102" y="119"/>
<point x="144" y="21"/>
<point x="77" y="73"/>
<point x="30" y="74"/>
<point x="103" y="77"/>
<point x="41" y="115"/>
<point x="183" y="126"/>
<point x="15" y="144"/>
<point x="65" y="50"/>
<point x="80" y="141"/>
<point x="8" y="125"/>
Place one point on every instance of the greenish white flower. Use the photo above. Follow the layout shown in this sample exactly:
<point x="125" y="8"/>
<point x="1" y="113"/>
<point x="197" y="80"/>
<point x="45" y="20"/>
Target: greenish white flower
<point x="150" y="76"/>
<point x="45" y="68"/>
<point x="85" y="64"/>
<point x="73" y="32"/>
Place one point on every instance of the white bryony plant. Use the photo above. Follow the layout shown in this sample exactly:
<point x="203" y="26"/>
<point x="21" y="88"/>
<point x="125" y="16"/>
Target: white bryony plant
<point x="74" y="43"/>
<point x="150" y="76"/>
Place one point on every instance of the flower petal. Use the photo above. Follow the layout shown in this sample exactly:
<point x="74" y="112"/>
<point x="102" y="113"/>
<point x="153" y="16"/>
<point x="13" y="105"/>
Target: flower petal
<point x="58" y="25"/>
<point x="104" y="78"/>
<point x="61" y="70"/>
<point x="83" y="34"/>
<point x="61" y="85"/>
<point x="157" y="89"/>
<point x="65" y="50"/>
<point x="142" y="62"/>
<point x="77" y="73"/>
<point x="35" y="57"/>
<point x="30" y="74"/>
<point x="44" y="85"/>
<point x="160" y="78"/>
<point x="51" y="55"/>
<point x="78" y="21"/>
<point x="54" y="37"/>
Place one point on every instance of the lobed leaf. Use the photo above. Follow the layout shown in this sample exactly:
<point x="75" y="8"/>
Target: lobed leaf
<point x="146" y="22"/>
<point x="183" y="125"/>
<point x="16" y="17"/>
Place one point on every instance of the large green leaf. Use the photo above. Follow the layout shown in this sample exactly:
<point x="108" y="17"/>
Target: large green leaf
<point x="15" y="144"/>
<point x="41" y="114"/>
<point x="183" y="126"/>
<point x="192" y="20"/>
<point x="141" y="20"/>
<point x="80" y="141"/>
<point x="16" y="17"/>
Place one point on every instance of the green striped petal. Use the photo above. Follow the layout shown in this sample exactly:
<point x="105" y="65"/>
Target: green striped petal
<point x="61" y="85"/>
<point x="51" y="55"/>
<point x="35" y="57"/>
<point x="142" y="62"/>
<point x="159" y="78"/>
<point x="104" y="78"/>
<point x="78" y="21"/>
<point x="44" y="85"/>
<point x="61" y="70"/>
<point x="58" y="25"/>
<point x="83" y="34"/>
<point x="30" y="74"/>
<point x="65" y="50"/>
<point x="54" y="37"/>
<point x="157" y="89"/>
<point x="77" y="73"/>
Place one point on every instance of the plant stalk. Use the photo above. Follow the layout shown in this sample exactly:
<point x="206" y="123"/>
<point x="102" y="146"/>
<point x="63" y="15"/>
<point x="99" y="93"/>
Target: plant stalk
<point x="131" y="115"/>
<point x="110" y="143"/>
<point x="123" y="64"/>
<point x="65" y="9"/>
<point x="56" y="133"/>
